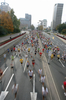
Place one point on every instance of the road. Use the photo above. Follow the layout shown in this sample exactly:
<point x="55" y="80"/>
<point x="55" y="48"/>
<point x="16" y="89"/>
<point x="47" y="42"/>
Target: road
<point x="21" y="74"/>
<point x="8" y="37"/>
<point x="12" y="35"/>
<point x="57" y="69"/>
<point x="21" y="77"/>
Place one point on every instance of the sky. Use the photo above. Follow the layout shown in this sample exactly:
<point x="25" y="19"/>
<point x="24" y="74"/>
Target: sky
<point x="38" y="9"/>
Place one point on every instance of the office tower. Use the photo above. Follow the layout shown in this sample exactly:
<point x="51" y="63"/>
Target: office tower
<point x="57" y="15"/>
<point x="25" y="22"/>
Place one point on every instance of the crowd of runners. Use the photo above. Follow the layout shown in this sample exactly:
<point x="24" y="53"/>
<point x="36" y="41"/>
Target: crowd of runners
<point x="33" y="41"/>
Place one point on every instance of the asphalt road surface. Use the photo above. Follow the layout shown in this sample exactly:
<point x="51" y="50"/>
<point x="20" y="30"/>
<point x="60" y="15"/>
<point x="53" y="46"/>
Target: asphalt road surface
<point x="21" y="73"/>
<point x="21" y="76"/>
<point x="58" y="69"/>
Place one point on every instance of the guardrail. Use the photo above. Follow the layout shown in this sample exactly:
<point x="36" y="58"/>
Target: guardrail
<point x="62" y="36"/>
<point x="10" y="43"/>
<point x="8" y="40"/>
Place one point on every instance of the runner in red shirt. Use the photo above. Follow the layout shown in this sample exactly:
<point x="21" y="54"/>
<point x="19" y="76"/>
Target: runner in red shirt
<point x="14" y="48"/>
<point x="22" y="43"/>
<point x="43" y="50"/>
<point x="40" y="53"/>
<point x="64" y="87"/>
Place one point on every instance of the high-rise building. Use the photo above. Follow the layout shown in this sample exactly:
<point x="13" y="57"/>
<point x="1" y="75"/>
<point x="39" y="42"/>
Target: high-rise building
<point x="57" y="15"/>
<point x="5" y="7"/>
<point x="44" y="24"/>
<point x="25" y="22"/>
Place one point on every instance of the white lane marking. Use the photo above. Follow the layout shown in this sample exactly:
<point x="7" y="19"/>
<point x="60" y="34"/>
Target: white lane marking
<point x="33" y="83"/>
<point x="33" y="94"/>
<point x="25" y="65"/>
<point x="61" y="63"/>
<point x="9" y="82"/>
<point x="5" y="70"/>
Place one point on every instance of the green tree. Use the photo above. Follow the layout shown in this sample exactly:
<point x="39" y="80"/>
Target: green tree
<point x="32" y="27"/>
<point x="16" y="22"/>
<point x="64" y="31"/>
<point x="2" y="31"/>
<point x="61" y="27"/>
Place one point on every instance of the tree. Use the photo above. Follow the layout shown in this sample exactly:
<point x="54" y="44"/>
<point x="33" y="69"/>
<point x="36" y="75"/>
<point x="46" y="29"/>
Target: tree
<point x="64" y="31"/>
<point x="32" y="27"/>
<point x="2" y="31"/>
<point x="61" y="27"/>
<point x="40" y="27"/>
<point x="6" y="21"/>
<point x="16" y="22"/>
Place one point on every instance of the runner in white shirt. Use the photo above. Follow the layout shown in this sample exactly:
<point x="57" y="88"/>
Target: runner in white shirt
<point x="40" y="72"/>
<point x="44" y="92"/>
<point x="26" y="56"/>
<point x="15" y="90"/>
<point x="30" y="73"/>
<point x="42" y="79"/>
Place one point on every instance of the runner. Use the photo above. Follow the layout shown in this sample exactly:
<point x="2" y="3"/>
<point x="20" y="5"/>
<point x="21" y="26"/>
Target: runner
<point x="30" y="74"/>
<point x="33" y="62"/>
<point x="43" y="50"/>
<point x="43" y="79"/>
<point x="15" y="90"/>
<point x="12" y="58"/>
<point x="40" y="72"/>
<point x="12" y="65"/>
<point x="58" y="54"/>
<point x="35" y="51"/>
<point x="8" y="50"/>
<point x="64" y="87"/>
<point x="28" y="64"/>
<point x="11" y="49"/>
<point x="4" y="56"/>
<point x="20" y="53"/>
<point x="28" y="49"/>
<point x="26" y="56"/>
<point x="21" y="61"/>
<point x="15" y="50"/>
<point x="1" y="75"/>
<point x="40" y="53"/>
<point x="44" y="92"/>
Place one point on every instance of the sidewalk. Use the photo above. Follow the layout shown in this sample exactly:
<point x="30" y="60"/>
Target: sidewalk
<point x="53" y="94"/>
<point x="62" y="39"/>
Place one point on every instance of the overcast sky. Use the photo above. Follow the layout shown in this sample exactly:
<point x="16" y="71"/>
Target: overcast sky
<point x="39" y="9"/>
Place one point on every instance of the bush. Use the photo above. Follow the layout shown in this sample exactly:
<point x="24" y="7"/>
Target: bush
<point x="3" y="31"/>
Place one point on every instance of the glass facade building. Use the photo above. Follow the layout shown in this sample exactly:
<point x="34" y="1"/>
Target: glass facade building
<point x="57" y="15"/>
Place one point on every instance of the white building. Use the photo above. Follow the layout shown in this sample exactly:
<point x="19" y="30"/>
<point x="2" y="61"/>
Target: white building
<point x="5" y="7"/>
<point x="44" y="24"/>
